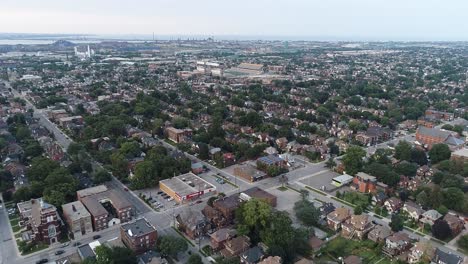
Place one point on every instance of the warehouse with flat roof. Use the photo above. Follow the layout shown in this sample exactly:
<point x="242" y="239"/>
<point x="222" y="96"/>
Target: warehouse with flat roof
<point x="186" y="187"/>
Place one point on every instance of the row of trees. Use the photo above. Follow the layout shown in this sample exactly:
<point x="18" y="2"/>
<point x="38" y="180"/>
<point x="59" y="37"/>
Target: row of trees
<point x="261" y="223"/>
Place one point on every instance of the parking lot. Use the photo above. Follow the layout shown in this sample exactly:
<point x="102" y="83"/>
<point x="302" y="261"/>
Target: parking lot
<point x="322" y="181"/>
<point x="157" y="199"/>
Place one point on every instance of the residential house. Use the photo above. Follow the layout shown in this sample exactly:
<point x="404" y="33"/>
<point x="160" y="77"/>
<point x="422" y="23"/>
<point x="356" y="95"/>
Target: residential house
<point x="337" y="217"/>
<point x="235" y="246"/>
<point x="356" y="226"/>
<point x="139" y="235"/>
<point x="227" y="205"/>
<point x="271" y="260"/>
<point x="364" y="183"/>
<point x="379" y="198"/>
<point x="455" y="223"/>
<point x="379" y="233"/>
<point x="352" y="259"/>
<point x="413" y="210"/>
<point x="315" y="243"/>
<point x="442" y="257"/>
<point x="424" y="172"/>
<point x="393" y="205"/>
<point x="396" y="244"/>
<point x="430" y="216"/>
<point x="191" y="222"/>
<point x="220" y="237"/>
<point x="271" y="160"/>
<point x="178" y="135"/>
<point x="252" y="255"/>
<point x="420" y="250"/>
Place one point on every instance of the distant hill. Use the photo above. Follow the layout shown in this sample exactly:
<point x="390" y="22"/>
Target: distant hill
<point x="63" y="44"/>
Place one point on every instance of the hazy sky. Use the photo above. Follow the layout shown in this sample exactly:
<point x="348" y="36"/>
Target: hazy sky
<point x="365" y="19"/>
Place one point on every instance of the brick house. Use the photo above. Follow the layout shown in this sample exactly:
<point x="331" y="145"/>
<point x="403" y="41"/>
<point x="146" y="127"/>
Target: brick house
<point x="139" y="235"/>
<point x="455" y="223"/>
<point x="356" y="226"/>
<point x="218" y="238"/>
<point x="235" y="246"/>
<point x="337" y="217"/>
<point x="364" y="183"/>
<point x="178" y="135"/>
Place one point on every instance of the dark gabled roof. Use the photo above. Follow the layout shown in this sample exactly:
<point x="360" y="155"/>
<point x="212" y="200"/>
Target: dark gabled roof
<point x="252" y="255"/>
<point x="448" y="258"/>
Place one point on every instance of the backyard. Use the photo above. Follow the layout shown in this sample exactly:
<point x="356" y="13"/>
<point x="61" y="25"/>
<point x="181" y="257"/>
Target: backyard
<point x="369" y="251"/>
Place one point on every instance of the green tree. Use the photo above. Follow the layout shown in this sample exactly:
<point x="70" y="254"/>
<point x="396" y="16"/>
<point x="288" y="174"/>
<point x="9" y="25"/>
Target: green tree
<point x="463" y="242"/>
<point x="113" y="255"/>
<point x="358" y="210"/>
<point x="418" y="156"/>
<point x="252" y="217"/>
<point x="406" y="168"/>
<point x="22" y="194"/>
<point x="171" y="245"/>
<point x="439" y="152"/>
<point x="352" y="160"/>
<point x="203" y="152"/>
<point x="453" y="198"/>
<point x="441" y="229"/>
<point x="119" y="165"/>
<point x="403" y="150"/>
<point x="101" y="176"/>
<point x="330" y="163"/>
<point x="75" y="148"/>
<point x="40" y="168"/>
<point x="306" y="212"/>
<point x="396" y="223"/>
<point x="283" y="239"/>
<point x="194" y="259"/>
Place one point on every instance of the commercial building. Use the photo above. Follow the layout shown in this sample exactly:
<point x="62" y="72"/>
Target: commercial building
<point x="249" y="173"/>
<point x="186" y="187"/>
<point x="78" y="219"/>
<point x="139" y="235"/>
<point x="430" y="136"/>
<point x="342" y="180"/>
<point x="106" y="207"/>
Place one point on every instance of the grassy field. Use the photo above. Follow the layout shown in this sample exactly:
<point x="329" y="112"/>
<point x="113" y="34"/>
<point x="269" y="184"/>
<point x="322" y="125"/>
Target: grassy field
<point x="369" y="251"/>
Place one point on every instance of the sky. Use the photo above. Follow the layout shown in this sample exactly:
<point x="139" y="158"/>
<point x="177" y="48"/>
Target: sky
<point x="335" y="19"/>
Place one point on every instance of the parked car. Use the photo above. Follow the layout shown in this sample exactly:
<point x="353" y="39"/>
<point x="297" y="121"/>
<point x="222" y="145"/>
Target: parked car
<point x="66" y="244"/>
<point x="199" y="202"/>
<point x="59" y="252"/>
<point x="97" y="237"/>
<point x="170" y="199"/>
<point x="76" y="244"/>
<point x="42" y="261"/>
<point x="160" y="192"/>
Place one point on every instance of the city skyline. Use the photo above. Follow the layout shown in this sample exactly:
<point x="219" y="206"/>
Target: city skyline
<point x="295" y="20"/>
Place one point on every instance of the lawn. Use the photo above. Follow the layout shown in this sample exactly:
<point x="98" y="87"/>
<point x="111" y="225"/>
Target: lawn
<point x="369" y="251"/>
<point x="16" y="228"/>
<point x="282" y="188"/>
<point x="14" y="222"/>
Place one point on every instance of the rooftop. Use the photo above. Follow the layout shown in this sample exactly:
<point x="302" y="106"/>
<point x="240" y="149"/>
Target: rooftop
<point x="75" y="210"/>
<point x="91" y="191"/>
<point x="186" y="184"/>
<point x="138" y="227"/>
